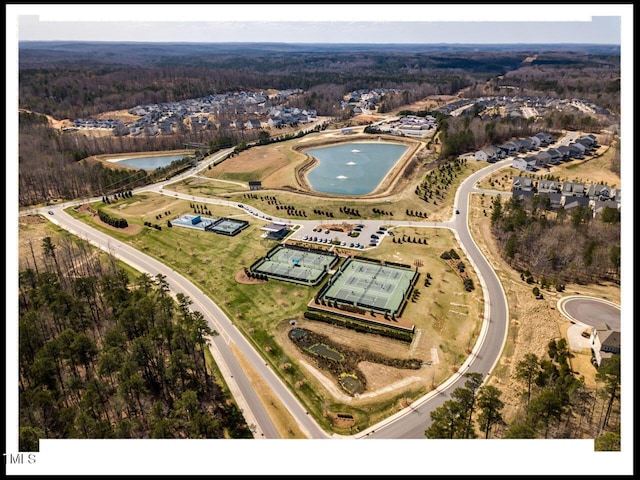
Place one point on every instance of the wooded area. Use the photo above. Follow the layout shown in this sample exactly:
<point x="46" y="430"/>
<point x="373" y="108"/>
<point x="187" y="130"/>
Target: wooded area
<point x="558" y="247"/>
<point x="556" y="404"/>
<point x="101" y="356"/>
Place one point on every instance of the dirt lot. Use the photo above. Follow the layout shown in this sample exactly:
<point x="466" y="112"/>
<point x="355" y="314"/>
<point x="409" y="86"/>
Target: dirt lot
<point x="429" y="103"/>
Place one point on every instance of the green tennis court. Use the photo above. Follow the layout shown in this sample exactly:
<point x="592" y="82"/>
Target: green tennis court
<point x="295" y="265"/>
<point x="372" y="286"/>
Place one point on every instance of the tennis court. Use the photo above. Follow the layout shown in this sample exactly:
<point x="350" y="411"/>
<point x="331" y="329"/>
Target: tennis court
<point x="295" y="265"/>
<point x="224" y="226"/>
<point x="371" y="286"/>
<point x="228" y="226"/>
<point x="196" y="222"/>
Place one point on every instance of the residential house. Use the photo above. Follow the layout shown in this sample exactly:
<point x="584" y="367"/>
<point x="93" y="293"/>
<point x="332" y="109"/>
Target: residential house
<point x="545" y="138"/>
<point x="508" y="148"/>
<point x="494" y="152"/>
<point x="570" y="202"/>
<point x="237" y="123"/>
<point x="599" y="192"/>
<point x="486" y="155"/>
<point x="599" y="206"/>
<point x="120" y="129"/>
<point x="604" y="343"/>
<point x="548" y="186"/>
<point x="522" y="183"/>
<point x="526" y="164"/>
<point x="587" y="143"/>
<point x="520" y="147"/>
<point x="527" y="144"/>
<point x="577" y="150"/>
<point x="253" y="124"/>
<point x="555" y="155"/>
<point x="550" y="200"/>
<point x="542" y="159"/>
<point x="255" y="185"/>
<point x="565" y="151"/>
<point x="572" y="189"/>
<point x="525" y="196"/>
<point x="616" y="194"/>
<point x="535" y="142"/>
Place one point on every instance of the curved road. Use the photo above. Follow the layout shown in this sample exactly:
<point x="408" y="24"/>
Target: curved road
<point x="409" y="423"/>
<point x="590" y="311"/>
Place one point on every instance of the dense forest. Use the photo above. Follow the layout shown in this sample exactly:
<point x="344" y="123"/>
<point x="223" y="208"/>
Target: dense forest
<point x="83" y="79"/>
<point x="101" y="356"/>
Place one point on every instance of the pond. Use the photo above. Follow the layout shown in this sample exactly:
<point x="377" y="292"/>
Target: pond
<point x="353" y="168"/>
<point x="148" y="163"/>
<point x="322" y="350"/>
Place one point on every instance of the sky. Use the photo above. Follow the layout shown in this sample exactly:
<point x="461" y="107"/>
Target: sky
<point x="398" y="23"/>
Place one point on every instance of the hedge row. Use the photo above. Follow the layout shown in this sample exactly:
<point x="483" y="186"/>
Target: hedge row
<point x="360" y="327"/>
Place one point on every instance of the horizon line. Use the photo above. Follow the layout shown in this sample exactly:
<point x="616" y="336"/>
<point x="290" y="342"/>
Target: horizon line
<point x="318" y="43"/>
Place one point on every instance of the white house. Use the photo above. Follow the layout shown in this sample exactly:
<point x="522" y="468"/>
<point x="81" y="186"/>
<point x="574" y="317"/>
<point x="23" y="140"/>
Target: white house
<point x="604" y="343"/>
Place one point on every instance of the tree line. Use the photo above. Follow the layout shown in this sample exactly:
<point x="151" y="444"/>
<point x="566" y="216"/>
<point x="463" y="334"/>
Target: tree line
<point x="555" y="404"/>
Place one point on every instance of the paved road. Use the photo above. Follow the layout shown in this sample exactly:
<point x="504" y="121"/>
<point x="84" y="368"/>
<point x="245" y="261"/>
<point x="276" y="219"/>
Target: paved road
<point x="222" y="346"/>
<point x="412" y="422"/>
<point x="590" y="311"/>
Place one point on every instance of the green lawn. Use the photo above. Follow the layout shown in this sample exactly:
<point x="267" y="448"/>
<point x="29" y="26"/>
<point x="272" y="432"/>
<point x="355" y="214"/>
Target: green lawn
<point x="262" y="311"/>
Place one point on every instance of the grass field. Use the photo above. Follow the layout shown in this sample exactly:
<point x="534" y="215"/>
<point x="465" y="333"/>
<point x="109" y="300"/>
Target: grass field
<point x="447" y="318"/>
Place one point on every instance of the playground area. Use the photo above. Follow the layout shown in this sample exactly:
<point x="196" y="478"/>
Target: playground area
<point x="223" y="226"/>
<point x="294" y="264"/>
<point x="371" y="286"/>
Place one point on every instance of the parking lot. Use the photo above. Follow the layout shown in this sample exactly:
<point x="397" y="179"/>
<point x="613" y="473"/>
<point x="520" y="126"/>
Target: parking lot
<point x="368" y="236"/>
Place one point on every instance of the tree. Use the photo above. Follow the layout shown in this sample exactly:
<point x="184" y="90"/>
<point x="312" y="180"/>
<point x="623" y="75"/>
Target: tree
<point x="496" y="214"/>
<point x="607" y="442"/>
<point x="609" y="374"/>
<point x="490" y="406"/>
<point x="466" y="396"/>
<point x="527" y="370"/>
<point x="447" y="421"/>
<point x="544" y="408"/>
<point x="263" y="137"/>
<point x="29" y="439"/>
<point x="520" y="430"/>
<point x="511" y="247"/>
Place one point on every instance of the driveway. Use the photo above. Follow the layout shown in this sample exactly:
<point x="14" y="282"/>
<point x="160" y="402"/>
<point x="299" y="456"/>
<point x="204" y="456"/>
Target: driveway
<point x="586" y="312"/>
